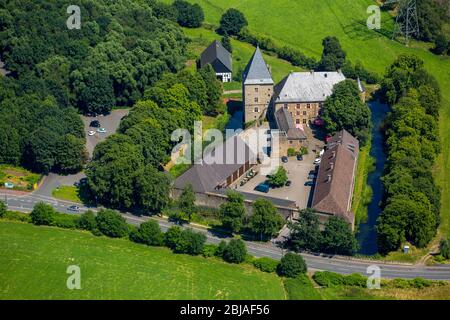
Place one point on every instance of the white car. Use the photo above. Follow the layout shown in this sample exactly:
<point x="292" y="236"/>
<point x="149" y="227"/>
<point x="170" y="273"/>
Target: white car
<point x="101" y="130"/>
<point x="317" y="161"/>
<point x="91" y="133"/>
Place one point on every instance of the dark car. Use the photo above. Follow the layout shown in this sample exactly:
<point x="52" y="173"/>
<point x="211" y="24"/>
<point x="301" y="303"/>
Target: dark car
<point x="288" y="183"/>
<point x="309" y="183"/>
<point x="95" y="124"/>
<point x="299" y="157"/>
<point x="262" y="187"/>
<point x="74" y="208"/>
<point x="284" y="159"/>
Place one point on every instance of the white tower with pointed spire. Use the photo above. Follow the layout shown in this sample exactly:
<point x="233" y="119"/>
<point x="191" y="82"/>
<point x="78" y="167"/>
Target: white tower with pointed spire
<point x="257" y="88"/>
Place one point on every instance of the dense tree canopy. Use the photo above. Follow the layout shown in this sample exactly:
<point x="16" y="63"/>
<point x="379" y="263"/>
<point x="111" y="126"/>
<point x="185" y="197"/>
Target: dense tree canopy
<point x="232" y="212"/>
<point x="265" y="220"/>
<point x="333" y="56"/>
<point x="345" y="110"/>
<point x="232" y="21"/>
<point x="189" y="15"/>
<point x="119" y="51"/>
<point x="411" y="204"/>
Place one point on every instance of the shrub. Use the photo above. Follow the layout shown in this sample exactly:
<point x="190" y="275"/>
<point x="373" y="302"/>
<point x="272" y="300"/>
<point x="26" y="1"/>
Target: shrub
<point x="355" y="280"/>
<point x="2" y="209"/>
<point x="235" y="251"/>
<point x="266" y="264"/>
<point x="172" y="237"/>
<point x="420" y="283"/>
<point x="65" y="221"/>
<point x="291" y="152"/>
<point x="148" y="233"/>
<point x="18" y="216"/>
<point x="292" y="265"/>
<point x="189" y="15"/>
<point x="209" y="250"/>
<point x="444" y="247"/>
<point x="221" y="249"/>
<point x="328" y="279"/>
<point x="111" y="224"/>
<point x="42" y="214"/>
<point x="400" y="283"/>
<point x="87" y="221"/>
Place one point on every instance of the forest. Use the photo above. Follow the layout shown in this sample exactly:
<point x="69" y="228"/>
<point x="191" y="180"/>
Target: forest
<point x="122" y="49"/>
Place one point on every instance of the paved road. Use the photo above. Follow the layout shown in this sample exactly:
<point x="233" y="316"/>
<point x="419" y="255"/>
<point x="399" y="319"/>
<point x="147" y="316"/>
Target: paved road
<point x="343" y="265"/>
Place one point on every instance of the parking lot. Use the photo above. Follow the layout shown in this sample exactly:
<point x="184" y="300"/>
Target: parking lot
<point x="110" y="122"/>
<point x="297" y="173"/>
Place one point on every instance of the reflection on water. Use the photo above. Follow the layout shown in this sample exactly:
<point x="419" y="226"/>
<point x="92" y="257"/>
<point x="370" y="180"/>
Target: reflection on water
<point x="367" y="236"/>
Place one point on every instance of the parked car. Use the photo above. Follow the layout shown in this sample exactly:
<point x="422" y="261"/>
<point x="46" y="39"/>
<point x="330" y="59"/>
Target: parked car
<point x="311" y="176"/>
<point x="328" y="138"/>
<point x="309" y="183"/>
<point x="95" y="124"/>
<point x="262" y="187"/>
<point x="299" y="157"/>
<point x="319" y="122"/>
<point x="74" y="208"/>
<point x="101" y="130"/>
<point x="317" y="161"/>
<point x="91" y="133"/>
<point x="288" y="183"/>
<point x="284" y="159"/>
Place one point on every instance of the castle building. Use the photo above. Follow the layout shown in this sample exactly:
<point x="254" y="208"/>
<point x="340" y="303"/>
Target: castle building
<point x="257" y="88"/>
<point x="302" y="94"/>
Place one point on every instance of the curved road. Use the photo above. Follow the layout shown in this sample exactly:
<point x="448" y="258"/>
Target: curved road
<point x="24" y="202"/>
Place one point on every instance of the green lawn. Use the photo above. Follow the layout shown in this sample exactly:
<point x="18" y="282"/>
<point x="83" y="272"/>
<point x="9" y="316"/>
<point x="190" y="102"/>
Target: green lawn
<point x="304" y="23"/>
<point x="69" y="193"/>
<point x="33" y="263"/>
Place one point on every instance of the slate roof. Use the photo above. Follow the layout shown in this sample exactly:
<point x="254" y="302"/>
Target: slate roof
<point x="207" y="175"/>
<point x="307" y="86"/>
<point x="216" y="51"/>
<point x="286" y="123"/>
<point x="257" y="71"/>
<point x="335" y="180"/>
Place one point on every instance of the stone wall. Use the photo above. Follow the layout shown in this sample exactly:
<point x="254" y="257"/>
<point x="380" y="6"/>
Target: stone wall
<point x="256" y="100"/>
<point x="302" y="113"/>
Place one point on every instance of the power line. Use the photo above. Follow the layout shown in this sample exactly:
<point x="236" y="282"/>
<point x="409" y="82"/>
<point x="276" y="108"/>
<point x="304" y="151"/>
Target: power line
<point x="406" y="22"/>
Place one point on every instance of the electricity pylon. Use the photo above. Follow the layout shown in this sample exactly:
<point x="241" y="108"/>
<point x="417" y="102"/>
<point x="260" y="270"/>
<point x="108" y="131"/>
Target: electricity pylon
<point x="406" y="23"/>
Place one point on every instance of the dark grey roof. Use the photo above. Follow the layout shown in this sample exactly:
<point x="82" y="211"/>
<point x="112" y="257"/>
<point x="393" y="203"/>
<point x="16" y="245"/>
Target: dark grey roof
<point x="217" y="165"/>
<point x="256" y="71"/>
<point x="216" y="51"/>
<point x="286" y="123"/>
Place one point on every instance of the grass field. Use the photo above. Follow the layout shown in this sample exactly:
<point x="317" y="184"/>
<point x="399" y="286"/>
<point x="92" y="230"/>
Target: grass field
<point x="33" y="263"/>
<point x="69" y="193"/>
<point x="304" y="23"/>
<point x="362" y="193"/>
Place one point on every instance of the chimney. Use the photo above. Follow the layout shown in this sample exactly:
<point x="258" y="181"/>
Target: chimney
<point x="331" y="166"/>
<point x="329" y="178"/>
<point x="333" y="154"/>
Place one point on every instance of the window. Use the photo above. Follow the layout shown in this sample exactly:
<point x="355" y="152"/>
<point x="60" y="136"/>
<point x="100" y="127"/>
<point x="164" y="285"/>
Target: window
<point x="256" y="89"/>
<point x="256" y="109"/>
<point x="304" y="113"/>
<point x="286" y="106"/>
<point x="298" y="113"/>
<point x="290" y="141"/>
<point x="304" y="121"/>
<point x="297" y="121"/>
<point x="308" y="105"/>
<point x="298" y="105"/>
<point x="256" y="99"/>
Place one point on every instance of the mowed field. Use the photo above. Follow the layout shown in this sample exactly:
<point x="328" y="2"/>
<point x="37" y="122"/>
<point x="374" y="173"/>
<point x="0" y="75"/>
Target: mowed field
<point x="304" y="23"/>
<point x="34" y="260"/>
